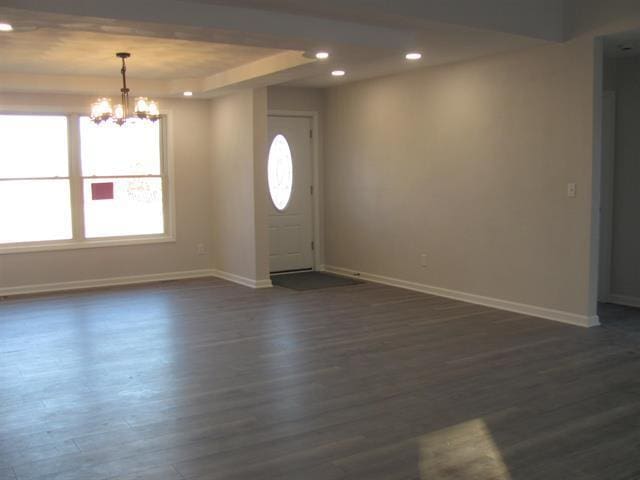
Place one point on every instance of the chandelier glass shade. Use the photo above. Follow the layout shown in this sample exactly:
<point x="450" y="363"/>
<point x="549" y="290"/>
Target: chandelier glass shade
<point x="102" y="110"/>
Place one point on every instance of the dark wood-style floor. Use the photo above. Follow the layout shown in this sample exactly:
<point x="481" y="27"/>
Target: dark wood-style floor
<point x="208" y="380"/>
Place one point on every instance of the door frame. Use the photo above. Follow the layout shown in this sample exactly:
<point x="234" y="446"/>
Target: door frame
<point x="607" y="185"/>
<point x="317" y="254"/>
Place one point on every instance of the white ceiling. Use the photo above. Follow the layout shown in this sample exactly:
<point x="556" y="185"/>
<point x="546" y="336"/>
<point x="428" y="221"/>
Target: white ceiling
<point x="56" y="51"/>
<point x="622" y="45"/>
<point x="536" y="18"/>
<point x="211" y="45"/>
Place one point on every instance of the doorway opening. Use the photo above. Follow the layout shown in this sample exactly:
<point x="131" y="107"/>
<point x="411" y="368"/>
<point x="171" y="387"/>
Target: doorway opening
<point x="619" y="222"/>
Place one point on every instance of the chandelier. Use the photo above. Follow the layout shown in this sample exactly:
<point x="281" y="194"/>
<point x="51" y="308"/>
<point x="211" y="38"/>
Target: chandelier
<point x="144" y="109"/>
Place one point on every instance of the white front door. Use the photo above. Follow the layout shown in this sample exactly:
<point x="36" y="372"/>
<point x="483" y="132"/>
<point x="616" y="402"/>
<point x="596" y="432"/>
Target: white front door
<point x="290" y="190"/>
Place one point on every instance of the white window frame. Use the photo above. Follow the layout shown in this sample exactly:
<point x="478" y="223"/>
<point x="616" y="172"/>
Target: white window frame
<point x="76" y="180"/>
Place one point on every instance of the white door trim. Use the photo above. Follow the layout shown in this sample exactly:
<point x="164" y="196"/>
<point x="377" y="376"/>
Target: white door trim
<point x="316" y="180"/>
<point x="607" y="179"/>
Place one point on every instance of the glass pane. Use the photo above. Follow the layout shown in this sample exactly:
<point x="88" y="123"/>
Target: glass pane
<point x="112" y="150"/>
<point x="34" y="210"/>
<point x="123" y="206"/>
<point x="280" y="172"/>
<point x="33" y="146"/>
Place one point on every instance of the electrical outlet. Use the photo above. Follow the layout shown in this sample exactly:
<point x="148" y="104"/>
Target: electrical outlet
<point x="571" y="190"/>
<point x="200" y="249"/>
<point x="423" y="260"/>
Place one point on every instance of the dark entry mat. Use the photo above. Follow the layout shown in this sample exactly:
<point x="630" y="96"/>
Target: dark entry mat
<point x="311" y="280"/>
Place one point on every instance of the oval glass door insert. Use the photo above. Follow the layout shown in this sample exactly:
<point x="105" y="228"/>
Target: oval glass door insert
<point x="280" y="172"/>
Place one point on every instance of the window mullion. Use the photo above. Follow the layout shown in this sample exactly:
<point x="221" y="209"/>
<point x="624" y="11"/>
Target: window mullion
<point x="164" y="172"/>
<point x="75" y="172"/>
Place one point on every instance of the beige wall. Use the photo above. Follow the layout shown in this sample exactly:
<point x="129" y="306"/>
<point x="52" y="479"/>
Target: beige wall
<point x="469" y="164"/>
<point x="238" y="149"/>
<point x="296" y="99"/>
<point x="625" y="271"/>
<point x="190" y="145"/>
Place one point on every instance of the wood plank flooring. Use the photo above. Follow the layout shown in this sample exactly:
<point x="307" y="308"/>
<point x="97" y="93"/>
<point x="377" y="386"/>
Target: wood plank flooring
<point x="207" y="380"/>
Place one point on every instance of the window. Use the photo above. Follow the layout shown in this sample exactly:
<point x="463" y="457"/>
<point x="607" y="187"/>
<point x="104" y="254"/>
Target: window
<point x="35" y="195"/>
<point x="122" y="179"/>
<point x="280" y="172"/>
<point x="108" y="184"/>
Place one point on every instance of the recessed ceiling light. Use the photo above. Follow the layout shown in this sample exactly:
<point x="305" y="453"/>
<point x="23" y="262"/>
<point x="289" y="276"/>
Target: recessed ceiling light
<point x="188" y="94"/>
<point x="6" y="27"/>
<point x="322" y="55"/>
<point x="413" y="56"/>
<point x="338" y="73"/>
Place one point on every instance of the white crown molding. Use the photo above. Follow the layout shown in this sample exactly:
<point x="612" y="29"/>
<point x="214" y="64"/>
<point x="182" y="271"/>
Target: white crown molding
<point x="532" y="310"/>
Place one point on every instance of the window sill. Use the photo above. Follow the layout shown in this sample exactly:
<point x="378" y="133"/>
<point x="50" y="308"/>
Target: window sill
<point x="82" y="244"/>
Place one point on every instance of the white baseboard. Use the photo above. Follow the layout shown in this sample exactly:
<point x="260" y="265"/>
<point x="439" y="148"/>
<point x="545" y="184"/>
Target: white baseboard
<point x="103" y="282"/>
<point x="247" y="282"/>
<point x="131" y="280"/>
<point x="532" y="310"/>
<point x="625" y="300"/>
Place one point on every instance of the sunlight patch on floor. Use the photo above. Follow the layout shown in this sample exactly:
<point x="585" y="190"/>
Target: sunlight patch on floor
<point x="466" y="450"/>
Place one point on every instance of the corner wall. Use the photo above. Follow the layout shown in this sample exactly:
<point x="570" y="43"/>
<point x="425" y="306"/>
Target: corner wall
<point x="238" y="188"/>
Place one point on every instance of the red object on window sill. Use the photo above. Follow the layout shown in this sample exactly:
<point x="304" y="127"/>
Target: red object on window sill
<point x="102" y="191"/>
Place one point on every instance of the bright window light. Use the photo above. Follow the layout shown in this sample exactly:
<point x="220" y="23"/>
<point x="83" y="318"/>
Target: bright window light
<point x="6" y="27"/>
<point x="113" y="150"/>
<point x="126" y="198"/>
<point x="114" y="184"/>
<point x="23" y="157"/>
<point x="35" y="210"/>
<point x="280" y="172"/>
<point x="35" y="199"/>
<point x="131" y="206"/>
